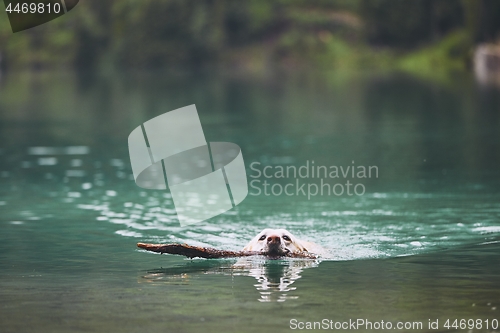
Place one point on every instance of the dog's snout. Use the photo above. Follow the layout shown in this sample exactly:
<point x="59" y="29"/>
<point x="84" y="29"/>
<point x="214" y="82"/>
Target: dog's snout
<point x="273" y="239"/>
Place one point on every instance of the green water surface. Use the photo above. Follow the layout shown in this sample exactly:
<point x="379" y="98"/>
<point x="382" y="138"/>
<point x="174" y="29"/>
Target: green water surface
<point x="420" y="243"/>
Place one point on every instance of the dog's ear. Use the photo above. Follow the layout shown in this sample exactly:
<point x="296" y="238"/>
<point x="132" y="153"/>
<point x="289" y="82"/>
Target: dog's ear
<point x="302" y="245"/>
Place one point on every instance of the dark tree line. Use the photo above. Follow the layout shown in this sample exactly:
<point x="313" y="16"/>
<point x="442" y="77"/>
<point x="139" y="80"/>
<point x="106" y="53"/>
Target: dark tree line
<point x="156" y="33"/>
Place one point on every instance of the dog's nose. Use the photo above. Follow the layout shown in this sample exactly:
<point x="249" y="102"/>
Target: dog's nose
<point x="273" y="240"/>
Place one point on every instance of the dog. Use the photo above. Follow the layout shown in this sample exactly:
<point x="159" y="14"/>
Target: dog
<point x="280" y="242"/>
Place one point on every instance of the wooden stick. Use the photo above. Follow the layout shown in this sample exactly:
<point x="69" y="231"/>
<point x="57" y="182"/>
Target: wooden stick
<point x="211" y="253"/>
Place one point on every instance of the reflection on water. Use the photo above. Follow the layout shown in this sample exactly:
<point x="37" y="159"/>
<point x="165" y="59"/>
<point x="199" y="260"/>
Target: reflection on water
<point x="274" y="277"/>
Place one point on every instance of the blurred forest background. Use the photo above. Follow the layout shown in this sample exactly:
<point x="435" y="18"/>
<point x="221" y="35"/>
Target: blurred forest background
<point x="432" y="38"/>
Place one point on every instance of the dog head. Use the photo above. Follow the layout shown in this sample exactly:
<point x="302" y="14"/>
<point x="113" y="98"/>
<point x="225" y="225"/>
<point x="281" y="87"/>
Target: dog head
<point x="275" y="242"/>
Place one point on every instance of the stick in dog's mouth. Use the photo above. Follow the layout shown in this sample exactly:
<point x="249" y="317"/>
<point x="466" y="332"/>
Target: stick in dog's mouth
<point x="211" y="253"/>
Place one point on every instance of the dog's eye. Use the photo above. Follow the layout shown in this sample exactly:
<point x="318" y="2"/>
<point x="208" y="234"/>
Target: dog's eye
<point x="262" y="237"/>
<point x="285" y="237"/>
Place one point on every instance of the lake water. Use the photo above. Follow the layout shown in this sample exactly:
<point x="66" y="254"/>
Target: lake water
<point x="418" y="241"/>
